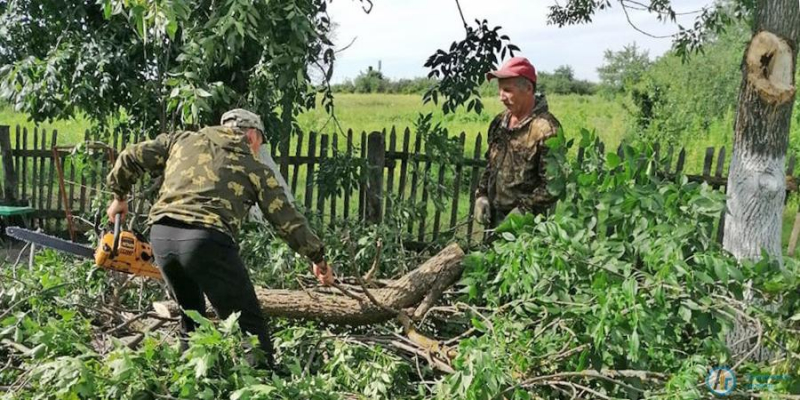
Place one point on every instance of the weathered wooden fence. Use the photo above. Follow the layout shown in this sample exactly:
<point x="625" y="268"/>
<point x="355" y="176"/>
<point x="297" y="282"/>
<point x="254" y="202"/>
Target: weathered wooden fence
<point x="394" y="170"/>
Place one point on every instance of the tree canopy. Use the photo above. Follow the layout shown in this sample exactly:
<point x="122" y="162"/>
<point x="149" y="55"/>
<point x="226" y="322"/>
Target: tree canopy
<point x="158" y="64"/>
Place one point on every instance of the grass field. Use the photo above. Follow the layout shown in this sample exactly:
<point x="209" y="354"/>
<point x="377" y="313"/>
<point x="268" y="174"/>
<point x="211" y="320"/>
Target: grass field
<point x="370" y="112"/>
<point x="69" y="131"/>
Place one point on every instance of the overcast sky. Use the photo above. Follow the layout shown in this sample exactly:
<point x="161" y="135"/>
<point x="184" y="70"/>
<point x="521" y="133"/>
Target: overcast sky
<point x="403" y="33"/>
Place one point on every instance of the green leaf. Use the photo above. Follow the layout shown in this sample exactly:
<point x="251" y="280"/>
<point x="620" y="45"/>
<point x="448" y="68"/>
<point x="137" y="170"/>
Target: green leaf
<point x="704" y="277"/>
<point x="107" y="9"/>
<point x="201" y="364"/>
<point x="509" y="237"/>
<point x="478" y="324"/>
<point x="199" y="319"/>
<point x="734" y="272"/>
<point x="587" y="179"/>
<point x="685" y="314"/>
<point x="634" y="346"/>
<point x="172" y="28"/>
<point x="252" y="391"/>
<point x="230" y="323"/>
<point x="612" y="160"/>
<point x="38" y="351"/>
<point x="721" y="270"/>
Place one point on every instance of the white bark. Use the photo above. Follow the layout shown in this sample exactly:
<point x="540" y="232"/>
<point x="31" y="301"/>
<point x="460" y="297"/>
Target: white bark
<point x="756" y="192"/>
<point x="757" y="180"/>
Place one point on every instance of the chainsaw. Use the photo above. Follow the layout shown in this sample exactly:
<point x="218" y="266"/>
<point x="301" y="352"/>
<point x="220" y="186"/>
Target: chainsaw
<point x="118" y="250"/>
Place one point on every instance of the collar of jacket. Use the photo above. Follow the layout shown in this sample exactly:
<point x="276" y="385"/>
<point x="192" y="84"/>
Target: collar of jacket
<point x="227" y="138"/>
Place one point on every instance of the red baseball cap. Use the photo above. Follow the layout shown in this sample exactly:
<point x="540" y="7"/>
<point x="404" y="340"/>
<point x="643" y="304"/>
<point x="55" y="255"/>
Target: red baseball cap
<point x="514" y="67"/>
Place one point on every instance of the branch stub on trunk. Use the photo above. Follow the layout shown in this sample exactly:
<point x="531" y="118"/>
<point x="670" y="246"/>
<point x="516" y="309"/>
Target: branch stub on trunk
<point x="769" y="67"/>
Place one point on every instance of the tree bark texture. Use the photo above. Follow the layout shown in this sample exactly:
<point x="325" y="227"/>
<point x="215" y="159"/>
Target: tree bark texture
<point x="757" y="179"/>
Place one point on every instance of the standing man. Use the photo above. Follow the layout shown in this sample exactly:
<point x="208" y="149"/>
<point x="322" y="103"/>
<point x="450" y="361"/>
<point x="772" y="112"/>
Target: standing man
<point x="211" y="178"/>
<point x="515" y="177"/>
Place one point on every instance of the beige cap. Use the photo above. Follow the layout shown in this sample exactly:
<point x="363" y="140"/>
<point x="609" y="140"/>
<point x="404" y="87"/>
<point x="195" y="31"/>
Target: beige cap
<point x="243" y="119"/>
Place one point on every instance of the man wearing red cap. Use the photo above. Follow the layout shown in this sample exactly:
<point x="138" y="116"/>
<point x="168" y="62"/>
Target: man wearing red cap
<point x="515" y="177"/>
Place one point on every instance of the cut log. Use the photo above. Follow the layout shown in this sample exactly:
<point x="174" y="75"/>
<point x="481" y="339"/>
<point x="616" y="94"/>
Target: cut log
<point x="402" y="293"/>
<point x="325" y="305"/>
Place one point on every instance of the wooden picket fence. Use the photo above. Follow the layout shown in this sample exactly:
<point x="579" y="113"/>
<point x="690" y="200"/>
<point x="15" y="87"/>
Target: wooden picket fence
<point x="394" y="166"/>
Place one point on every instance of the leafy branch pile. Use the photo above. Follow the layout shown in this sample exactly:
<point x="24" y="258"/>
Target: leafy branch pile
<point x="621" y="293"/>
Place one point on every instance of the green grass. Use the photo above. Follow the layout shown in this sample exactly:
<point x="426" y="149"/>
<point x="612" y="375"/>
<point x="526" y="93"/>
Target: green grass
<point x="70" y="131"/>
<point x="371" y="112"/>
<point x="375" y="112"/>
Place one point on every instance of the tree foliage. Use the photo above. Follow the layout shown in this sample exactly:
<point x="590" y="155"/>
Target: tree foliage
<point x="624" y="68"/>
<point x="372" y="81"/>
<point x="462" y="69"/>
<point x="562" y="81"/>
<point x="710" y="21"/>
<point x="157" y="64"/>
<point x="675" y="99"/>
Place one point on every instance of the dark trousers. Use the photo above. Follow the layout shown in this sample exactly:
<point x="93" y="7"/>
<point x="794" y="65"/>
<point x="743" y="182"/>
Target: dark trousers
<point x="497" y="217"/>
<point x="197" y="261"/>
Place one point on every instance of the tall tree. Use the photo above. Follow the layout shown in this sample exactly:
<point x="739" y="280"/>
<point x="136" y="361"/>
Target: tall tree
<point x="757" y="180"/>
<point x="623" y="68"/>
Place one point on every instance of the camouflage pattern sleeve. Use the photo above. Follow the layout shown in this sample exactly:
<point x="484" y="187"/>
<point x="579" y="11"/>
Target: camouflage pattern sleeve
<point x="540" y="197"/>
<point x="135" y="160"/>
<point x="290" y="224"/>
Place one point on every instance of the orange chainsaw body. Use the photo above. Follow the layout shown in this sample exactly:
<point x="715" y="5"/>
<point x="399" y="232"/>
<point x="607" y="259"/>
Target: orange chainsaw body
<point x="132" y="254"/>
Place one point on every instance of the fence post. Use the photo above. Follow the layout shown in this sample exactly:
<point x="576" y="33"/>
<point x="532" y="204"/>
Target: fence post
<point x="376" y="160"/>
<point x="10" y="176"/>
<point x="793" y="238"/>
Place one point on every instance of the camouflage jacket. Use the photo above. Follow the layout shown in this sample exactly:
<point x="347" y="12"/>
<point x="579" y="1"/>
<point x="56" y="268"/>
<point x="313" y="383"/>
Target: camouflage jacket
<point x="515" y="172"/>
<point x="211" y="180"/>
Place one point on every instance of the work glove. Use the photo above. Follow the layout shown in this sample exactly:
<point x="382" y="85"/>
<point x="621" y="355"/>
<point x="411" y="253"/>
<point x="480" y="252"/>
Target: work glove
<point x="483" y="210"/>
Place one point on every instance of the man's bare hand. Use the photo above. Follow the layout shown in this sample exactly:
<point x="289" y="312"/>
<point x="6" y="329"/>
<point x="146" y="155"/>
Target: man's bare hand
<point x="324" y="273"/>
<point x="117" y="207"/>
<point x="482" y="210"/>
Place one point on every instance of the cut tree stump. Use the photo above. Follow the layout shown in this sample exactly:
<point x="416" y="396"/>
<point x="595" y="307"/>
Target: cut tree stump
<point x="426" y="282"/>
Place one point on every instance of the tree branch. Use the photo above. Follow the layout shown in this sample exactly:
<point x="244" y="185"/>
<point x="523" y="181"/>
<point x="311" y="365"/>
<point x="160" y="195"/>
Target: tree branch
<point x="608" y="375"/>
<point x="466" y="26"/>
<point x="347" y="46"/>
<point x="628" y="17"/>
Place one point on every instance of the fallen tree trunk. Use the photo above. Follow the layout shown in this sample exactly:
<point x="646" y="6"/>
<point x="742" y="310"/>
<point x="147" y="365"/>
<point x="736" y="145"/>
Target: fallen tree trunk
<point x="423" y="285"/>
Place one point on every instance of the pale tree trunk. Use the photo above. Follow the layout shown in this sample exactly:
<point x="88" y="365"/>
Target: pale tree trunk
<point x="757" y="178"/>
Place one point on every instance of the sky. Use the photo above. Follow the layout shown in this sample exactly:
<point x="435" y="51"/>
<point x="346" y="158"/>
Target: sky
<point x="401" y="34"/>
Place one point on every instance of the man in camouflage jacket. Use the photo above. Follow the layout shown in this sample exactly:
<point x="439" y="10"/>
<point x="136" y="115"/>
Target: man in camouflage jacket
<point x="211" y="179"/>
<point x="515" y="177"/>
